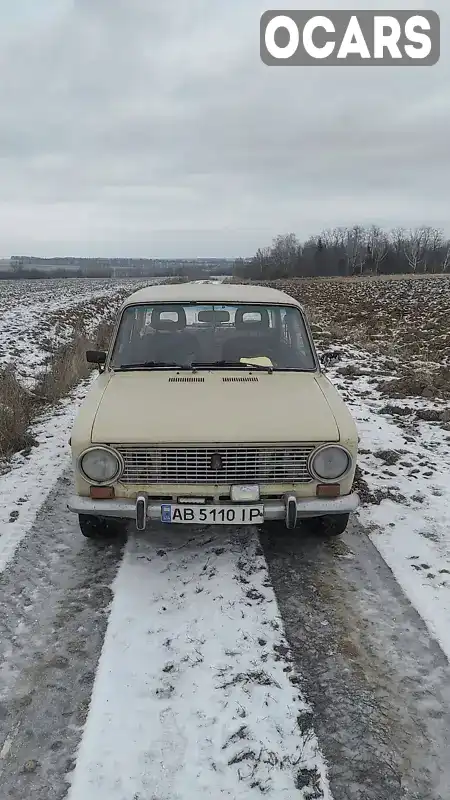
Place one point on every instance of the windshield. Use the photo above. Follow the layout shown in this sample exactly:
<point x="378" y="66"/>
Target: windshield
<point x="208" y="336"/>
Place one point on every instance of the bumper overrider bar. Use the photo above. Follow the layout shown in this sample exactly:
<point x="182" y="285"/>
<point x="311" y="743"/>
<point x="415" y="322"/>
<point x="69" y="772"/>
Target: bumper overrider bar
<point x="142" y="510"/>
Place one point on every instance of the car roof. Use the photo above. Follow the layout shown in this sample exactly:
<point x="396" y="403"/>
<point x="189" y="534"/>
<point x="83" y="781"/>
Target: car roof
<point x="210" y="293"/>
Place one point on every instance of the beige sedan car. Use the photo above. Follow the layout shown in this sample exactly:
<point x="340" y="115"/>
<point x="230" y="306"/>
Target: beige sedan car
<point x="211" y="408"/>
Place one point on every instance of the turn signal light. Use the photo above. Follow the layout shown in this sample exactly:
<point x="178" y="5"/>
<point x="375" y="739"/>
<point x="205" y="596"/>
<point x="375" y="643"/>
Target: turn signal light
<point x="328" y="490"/>
<point x="102" y="492"/>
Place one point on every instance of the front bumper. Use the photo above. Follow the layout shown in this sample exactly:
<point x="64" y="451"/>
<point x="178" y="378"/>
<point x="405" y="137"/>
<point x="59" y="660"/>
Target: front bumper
<point x="142" y="509"/>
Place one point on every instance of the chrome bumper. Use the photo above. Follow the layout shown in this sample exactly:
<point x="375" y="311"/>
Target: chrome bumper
<point x="141" y="510"/>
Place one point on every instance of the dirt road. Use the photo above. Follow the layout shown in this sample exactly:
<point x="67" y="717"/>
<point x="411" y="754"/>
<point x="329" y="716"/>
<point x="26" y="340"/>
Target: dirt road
<point x="223" y="649"/>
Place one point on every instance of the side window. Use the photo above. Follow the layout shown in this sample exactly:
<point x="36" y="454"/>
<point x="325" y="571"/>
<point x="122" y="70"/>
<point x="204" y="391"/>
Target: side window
<point x="298" y="332"/>
<point x="252" y="316"/>
<point x="128" y="332"/>
<point x="285" y="327"/>
<point x="272" y="318"/>
<point x="169" y="315"/>
<point x="139" y="322"/>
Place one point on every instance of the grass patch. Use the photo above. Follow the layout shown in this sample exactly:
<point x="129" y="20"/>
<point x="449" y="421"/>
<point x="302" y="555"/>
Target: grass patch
<point x="16" y="412"/>
<point x="65" y="367"/>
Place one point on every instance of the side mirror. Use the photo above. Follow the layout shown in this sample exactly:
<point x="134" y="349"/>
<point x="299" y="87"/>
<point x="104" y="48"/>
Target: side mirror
<point x="95" y="356"/>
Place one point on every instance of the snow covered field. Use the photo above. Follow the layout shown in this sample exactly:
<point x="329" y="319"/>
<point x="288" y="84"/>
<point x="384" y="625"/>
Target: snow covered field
<point x="387" y="345"/>
<point x="405" y="462"/>
<point x="196" y="693"/>
<point x="36" y="316"/>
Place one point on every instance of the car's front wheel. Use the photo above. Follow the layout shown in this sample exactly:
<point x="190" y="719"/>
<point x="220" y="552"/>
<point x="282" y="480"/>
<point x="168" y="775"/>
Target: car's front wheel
<point x="327" y="526"/>
<point x="99" y="528"/>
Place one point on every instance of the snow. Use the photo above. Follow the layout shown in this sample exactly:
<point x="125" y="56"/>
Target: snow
<point x="39" y="315"/>
<point x="36" y="317"/>
<point x="411" y="528"/>
<point x="192" y="698"/>
<point x="193" y="694"/>
<point x="29" y="479"/>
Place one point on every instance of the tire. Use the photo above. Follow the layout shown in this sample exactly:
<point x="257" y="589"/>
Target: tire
<point x="328" y="526"/>
<point x="99" y="528"/>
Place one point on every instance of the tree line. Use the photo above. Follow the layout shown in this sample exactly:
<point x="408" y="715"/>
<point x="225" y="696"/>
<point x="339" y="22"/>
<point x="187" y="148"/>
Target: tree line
<point x="350" y="251"/>
<point x="31" y="273"/>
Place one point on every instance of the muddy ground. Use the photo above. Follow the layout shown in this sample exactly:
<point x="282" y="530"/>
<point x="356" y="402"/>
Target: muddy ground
<point x="379" y="686"/>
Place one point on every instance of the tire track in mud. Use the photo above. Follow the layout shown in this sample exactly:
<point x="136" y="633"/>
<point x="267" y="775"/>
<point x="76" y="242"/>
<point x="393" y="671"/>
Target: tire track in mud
<point x="55" y="609"/>
<point x="377" y="686"/>
<point x="54" y="605"/>
<point x="377" y="681"/>
<point x="196" y="694"/>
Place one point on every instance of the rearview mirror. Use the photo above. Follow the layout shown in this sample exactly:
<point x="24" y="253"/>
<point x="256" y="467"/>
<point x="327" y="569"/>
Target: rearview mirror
<point x="95" y="356"/>
<point x="214" y="317"/>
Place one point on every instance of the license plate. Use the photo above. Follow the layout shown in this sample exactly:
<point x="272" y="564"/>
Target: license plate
<point x="213" y="515"/>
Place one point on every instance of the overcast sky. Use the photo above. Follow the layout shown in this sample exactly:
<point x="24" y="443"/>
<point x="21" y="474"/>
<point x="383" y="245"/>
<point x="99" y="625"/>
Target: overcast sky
<point x="127" y="130"/>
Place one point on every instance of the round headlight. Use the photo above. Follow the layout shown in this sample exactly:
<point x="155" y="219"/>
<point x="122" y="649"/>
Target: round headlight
<point x="330" y="463"/>
<point x="100" y="465"/>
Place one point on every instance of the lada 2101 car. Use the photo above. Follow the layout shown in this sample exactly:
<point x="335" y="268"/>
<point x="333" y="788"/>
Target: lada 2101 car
<point x="211" y="407"/>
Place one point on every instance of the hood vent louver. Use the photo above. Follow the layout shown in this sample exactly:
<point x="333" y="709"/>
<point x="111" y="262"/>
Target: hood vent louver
<point x="186" y="380"/>
<point x="239" y="380"/>
<point x="224" y="380"/>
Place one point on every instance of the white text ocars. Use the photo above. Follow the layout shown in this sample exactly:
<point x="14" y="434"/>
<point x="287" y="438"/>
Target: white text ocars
<point x="211" y="408"/>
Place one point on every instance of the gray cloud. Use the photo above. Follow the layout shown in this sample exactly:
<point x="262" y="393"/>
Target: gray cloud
<point x="127" y="128"/>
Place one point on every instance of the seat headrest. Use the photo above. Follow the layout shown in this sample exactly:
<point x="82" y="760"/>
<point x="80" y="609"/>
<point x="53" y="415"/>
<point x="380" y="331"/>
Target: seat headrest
<point x="251" y="318"/>
<point x="215" y="317"/>
<point x="163" y="318"/>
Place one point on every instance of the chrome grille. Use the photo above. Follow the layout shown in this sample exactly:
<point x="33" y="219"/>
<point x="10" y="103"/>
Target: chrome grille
<point x="149" y="465"/>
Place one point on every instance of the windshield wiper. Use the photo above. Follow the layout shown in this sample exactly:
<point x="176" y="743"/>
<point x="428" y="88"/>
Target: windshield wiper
<point x="229" y="364"/>
<point x="152" y="365"/>
<point x="195" y="365"/>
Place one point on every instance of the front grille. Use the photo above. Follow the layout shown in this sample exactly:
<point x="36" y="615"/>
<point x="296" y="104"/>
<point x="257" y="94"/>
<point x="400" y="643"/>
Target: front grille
<point x="151" y="465"/>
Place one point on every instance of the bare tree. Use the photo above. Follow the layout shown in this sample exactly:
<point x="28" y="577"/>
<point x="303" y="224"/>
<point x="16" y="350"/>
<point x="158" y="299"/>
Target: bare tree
<point x="340" y="251"/>
<point x="377" y="246"/>
<point x="436" y="243"/>
<point x="356" y="248"/>
<point x="332" y="237"/>
<point x="285" y="253"/>
<point x="415" y="248"/>
<point x="397" y="237"/>
<point x="261" y="261"/>
<point x="445" y="259"/>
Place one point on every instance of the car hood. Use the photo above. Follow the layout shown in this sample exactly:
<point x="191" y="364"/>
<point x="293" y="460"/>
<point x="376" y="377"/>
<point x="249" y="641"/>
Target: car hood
<point x="166" y="407"/>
